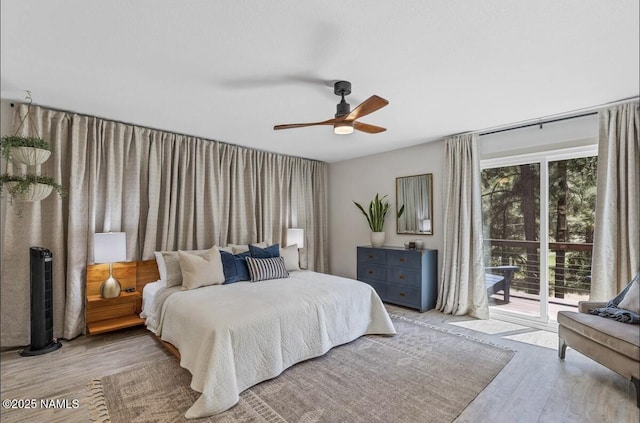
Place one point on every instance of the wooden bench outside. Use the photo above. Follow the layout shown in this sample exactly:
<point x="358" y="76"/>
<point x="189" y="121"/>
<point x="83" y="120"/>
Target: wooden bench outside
<point x="498" y="278"/>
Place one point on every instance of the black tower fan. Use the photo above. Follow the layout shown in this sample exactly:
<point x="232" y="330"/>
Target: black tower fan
<point x="42" y="340"/>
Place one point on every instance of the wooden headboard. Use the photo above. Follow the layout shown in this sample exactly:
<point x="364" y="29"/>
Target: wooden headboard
<point x="132" y="274"/>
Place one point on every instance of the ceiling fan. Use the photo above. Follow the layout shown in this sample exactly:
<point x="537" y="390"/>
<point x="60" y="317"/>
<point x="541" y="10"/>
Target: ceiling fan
<point x="344" y="121"/>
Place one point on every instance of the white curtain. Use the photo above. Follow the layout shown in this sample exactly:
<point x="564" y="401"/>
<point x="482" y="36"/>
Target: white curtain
<point x="616" y="244"/>
<point x="166" y="191"/>
<point x="462" y="287"/>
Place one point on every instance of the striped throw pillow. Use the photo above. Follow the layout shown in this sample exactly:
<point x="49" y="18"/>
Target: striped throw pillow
<point x="266" y="268"/>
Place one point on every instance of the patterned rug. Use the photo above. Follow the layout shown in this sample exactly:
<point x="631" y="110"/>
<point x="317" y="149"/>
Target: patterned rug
<point x="423" y="374"/>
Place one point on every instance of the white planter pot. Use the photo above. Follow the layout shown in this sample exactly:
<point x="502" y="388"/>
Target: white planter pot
<point x="29" y="156"/>
<point x="377" y="239"/>
<point x="36" y="192"/>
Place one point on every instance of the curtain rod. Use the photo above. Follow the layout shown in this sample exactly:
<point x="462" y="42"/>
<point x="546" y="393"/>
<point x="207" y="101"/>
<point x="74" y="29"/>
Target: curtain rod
<point x="166" y="131"/>
<point x="589" y="111"/>
<point x="541" y="122"/>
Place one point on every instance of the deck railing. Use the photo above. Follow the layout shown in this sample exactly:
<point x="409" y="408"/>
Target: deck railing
<point x="569" y="266"/>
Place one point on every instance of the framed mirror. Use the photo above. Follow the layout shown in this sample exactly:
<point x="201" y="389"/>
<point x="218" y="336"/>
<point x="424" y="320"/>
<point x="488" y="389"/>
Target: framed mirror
<point x="414" y="204"/>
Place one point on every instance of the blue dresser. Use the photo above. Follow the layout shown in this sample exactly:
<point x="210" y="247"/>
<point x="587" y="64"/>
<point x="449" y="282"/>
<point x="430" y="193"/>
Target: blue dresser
<point x="399" y="276"/>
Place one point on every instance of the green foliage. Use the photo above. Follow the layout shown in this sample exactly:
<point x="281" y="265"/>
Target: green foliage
<point x="18" y="186"/>
<point x="506" y="193"/>
<point x="377" y="212"/>
<point x="10" y="141"/>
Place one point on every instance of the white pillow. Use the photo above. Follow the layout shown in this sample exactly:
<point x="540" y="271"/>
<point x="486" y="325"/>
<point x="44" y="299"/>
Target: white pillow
<point x="291" y="257"/>
<point x="631" y="300"/>
<point x="172" y="270"/>
<point x="241" y="248"/>
<point x="226" y="249"/>
<point x="162" y="267"/>
<point x="201" y="270"/>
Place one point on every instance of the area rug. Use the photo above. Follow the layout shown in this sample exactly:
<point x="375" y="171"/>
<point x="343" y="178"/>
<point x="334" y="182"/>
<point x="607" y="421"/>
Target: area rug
<point x="423" y="374"/>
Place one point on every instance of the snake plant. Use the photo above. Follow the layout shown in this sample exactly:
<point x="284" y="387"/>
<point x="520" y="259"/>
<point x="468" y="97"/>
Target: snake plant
<point x="378" y="208"/>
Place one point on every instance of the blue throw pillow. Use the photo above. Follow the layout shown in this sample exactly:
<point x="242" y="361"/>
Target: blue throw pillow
<point x="271" y="251"/>
<point x="235" y="267"/>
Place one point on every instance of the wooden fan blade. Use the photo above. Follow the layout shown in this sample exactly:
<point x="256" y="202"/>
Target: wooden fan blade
<point x="302" y="125"/>
<point x="370" y="105"/>
<point x="369" y="129"/>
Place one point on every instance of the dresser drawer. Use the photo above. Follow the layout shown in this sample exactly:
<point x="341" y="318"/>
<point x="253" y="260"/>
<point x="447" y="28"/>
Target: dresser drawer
<point x="371" y="272"/>
<point x="399" y="275"/>
<point x="410" y="259"/>
<point x="371" y="255"/>
<point x="405" y="295"/>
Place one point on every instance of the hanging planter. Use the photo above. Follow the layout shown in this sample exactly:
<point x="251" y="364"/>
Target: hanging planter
<point x="25" y="150"/>
<point x="28" y="188"/>
<point x="34" y="192"/>
<point x="29" y="151"/>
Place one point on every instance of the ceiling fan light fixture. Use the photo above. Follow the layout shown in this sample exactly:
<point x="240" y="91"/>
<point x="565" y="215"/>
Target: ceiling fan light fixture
<point x="343" y="128"/>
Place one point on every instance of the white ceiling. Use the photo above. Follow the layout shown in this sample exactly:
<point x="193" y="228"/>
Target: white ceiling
<point x="230" y="70"/>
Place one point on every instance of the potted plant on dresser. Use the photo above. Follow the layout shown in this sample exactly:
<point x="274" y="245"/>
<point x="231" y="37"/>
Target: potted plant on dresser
<point x="378" y="208"/>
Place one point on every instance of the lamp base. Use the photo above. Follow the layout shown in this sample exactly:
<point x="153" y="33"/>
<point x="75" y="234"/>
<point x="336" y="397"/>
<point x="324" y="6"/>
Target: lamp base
<point x="110" y="288"/>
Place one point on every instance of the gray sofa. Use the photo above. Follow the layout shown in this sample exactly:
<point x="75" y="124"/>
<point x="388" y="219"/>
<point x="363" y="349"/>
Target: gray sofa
<point x="611" y="343"/>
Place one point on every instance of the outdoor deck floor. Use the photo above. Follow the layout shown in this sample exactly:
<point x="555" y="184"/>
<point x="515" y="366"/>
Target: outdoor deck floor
<point x="530" y="305"/>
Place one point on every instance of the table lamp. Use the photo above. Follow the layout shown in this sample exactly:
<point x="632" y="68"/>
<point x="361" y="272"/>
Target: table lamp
<point x="295" y="236"/>
<point x="110" y="247"/>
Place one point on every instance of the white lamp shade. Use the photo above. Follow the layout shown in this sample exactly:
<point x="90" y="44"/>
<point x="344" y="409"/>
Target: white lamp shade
<point x="109" y="247"/>
<point x="295" y="236"/>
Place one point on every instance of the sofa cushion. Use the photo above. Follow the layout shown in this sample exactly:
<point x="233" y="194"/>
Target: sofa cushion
<point x="617" y="336"/>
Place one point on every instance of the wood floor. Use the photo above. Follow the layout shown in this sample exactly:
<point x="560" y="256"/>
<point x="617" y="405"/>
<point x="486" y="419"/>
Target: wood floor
<point x="535" y="386"/>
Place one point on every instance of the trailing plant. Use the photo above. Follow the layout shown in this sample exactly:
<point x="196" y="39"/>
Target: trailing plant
<point x="18" y="186"/>
<point x="377" y="212"/>
<point x="12" y="141"/>
<point x="23" y="182"/>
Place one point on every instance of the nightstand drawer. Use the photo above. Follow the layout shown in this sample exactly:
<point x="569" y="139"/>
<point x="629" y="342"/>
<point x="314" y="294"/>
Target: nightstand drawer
<point x="372" y="272"/>
<point x="116" y="310"/>
<point x="371" y="256"/>
<point x="411" y="259"/>
<point x="404" y="295"/>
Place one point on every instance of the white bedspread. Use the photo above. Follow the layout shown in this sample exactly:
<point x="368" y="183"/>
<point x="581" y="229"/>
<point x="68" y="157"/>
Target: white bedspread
<point x="231" y="337"/>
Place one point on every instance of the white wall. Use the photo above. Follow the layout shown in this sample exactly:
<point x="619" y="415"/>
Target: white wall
<point x="360" y="179"/>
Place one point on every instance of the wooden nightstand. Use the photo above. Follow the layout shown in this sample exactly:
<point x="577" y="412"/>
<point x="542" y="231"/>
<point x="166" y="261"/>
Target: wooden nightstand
<point x="108" y="314"/>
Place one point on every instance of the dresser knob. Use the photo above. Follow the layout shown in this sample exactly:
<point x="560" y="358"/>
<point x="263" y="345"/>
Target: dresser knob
<point x="402" y="260"/>
<point x="370" y="256"/>
<point x="401" y="276"/>
<point x="370" y="272"/>
<point x="402" y="294"/>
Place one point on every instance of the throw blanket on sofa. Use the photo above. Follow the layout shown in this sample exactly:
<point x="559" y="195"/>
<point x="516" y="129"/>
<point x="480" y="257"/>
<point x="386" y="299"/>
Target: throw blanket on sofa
<point x="231" y="337"/>
<point x="612" y="311"/>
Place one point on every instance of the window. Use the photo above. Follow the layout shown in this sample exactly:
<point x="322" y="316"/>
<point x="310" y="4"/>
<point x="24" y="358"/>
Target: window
<point x="538" y="214"/>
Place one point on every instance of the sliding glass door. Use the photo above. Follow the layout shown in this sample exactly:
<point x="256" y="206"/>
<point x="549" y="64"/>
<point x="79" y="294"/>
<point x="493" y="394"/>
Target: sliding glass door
<point x="538" y="214"/>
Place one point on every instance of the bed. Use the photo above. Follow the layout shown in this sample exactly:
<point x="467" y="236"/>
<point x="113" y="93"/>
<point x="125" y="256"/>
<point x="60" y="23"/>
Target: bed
<point x="231" y="337"/>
